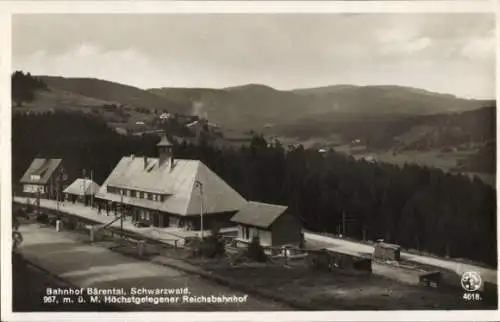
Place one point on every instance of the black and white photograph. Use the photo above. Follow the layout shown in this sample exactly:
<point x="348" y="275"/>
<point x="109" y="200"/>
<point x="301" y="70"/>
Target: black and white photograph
<point x="251" y="162"/>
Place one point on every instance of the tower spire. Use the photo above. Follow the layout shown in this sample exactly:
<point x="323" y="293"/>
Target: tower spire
<point x="165" y="151"/>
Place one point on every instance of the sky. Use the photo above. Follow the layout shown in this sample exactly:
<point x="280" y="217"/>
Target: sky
<point x="448" y="53"/>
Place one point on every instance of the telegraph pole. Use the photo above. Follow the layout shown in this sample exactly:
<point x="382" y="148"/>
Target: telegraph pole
<point x="38" y="199"/>
<point x="57" y="198"/>
<point x="83" y="188"/>
<point x="59" y="180"/>
<point x="121" y="213"/>
<point x="91" y="191"/>
<point x="343" y="223"/>
<point x="199" y="185"/>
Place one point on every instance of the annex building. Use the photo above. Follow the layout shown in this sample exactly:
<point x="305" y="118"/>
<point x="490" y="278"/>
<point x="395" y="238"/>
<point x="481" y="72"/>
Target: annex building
<point x="274" y="225"/>
<point x="43" y="177"/>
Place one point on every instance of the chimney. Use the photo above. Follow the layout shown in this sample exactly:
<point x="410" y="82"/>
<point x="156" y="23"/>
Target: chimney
<point x="145" y="162"/>
<point x="171" y="162"/>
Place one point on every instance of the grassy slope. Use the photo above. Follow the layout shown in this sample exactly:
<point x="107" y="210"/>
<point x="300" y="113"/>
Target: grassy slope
<point x="113" y="92"/>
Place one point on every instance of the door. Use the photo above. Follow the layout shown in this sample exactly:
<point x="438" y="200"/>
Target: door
<point x="156" y="219"/>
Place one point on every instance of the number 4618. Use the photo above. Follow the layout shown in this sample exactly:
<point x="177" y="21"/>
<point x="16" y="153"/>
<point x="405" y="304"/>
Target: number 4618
<point x="472" y="296"/>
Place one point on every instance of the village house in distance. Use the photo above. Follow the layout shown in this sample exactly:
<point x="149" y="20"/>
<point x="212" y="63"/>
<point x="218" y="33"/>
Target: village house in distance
<point x="42" y="178"/>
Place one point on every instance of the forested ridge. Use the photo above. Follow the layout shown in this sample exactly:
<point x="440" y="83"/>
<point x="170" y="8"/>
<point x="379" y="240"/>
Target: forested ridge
<point x="24" y="87"/>
<point x="417" y="207"/>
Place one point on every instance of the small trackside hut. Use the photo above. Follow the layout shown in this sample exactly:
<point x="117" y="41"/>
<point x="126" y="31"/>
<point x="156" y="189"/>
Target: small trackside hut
<point x="81" y="190"/>
<point x="274" y="225"/>
<point x="387" y="252"/>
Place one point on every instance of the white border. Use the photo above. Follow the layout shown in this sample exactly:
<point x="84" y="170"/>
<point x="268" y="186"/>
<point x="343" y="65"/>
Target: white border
<point x="136" y="6"/>
<point x="180" y="7"/>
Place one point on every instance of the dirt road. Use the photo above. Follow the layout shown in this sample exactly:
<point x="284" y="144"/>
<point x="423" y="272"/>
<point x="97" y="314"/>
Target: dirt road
<point x="88" y="266"/>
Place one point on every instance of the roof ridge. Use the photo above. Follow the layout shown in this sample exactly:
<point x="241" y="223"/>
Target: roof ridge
<point x="193" y="188"/>
<point x="156" y="158"/>
<point x="267" y="204"/>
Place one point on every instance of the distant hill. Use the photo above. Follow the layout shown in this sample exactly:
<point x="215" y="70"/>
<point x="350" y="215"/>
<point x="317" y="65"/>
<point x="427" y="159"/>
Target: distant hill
<point x="410" y="132"/>
<point x="113" y="92"/>
<point x="256" y="106"/>
<point x="483" y="161"/>
<point x="301" y="112"/>
<point x="248" y="107"/>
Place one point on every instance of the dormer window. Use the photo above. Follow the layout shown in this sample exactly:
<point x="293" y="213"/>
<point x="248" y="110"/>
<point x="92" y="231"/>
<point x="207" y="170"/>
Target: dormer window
<point x="35" y="177"/>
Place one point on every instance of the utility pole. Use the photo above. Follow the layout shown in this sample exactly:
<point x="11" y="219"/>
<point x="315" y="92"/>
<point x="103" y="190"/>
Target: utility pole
<point x="59" y="181"/>
<point x="343" y="223"/>
<point x="38" y="199"/>
<point x="57" y="198"/>
<point x="91" y="187"/>
<point x="199" y="185"/>
<point x="121" y="213"/>
<point x="83" y="188"/>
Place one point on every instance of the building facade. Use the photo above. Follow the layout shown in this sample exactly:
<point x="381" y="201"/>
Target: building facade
<point x="169" y="192"/>
<point x="274" y="225"/>
<point x="44" y="177"/>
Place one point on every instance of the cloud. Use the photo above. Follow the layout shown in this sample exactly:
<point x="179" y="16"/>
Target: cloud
<point x="283" y="51"/>
<point x="479" y="48"/>
<point x="87" y="60"/>
<point x="404" y="40"/>
<point x="406" y="47"/>
<point x="395" y="35"/>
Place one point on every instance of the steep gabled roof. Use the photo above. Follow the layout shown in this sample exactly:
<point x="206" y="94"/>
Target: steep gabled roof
<point x="40" y="167"/>
<point x="82" y="186"/>
<point x="259" y="214"/>
<point x="177" y="183"/>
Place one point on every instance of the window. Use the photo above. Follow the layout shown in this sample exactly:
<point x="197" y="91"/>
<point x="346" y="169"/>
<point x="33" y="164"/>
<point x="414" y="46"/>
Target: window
<point x="146" y="195"/>
<point x="128" y="193"/>
<point x="154" y="197"/>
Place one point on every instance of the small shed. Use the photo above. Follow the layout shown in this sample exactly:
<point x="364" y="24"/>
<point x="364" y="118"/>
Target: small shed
<point x="81" y="189"/>
<point x="387" y="252"/>
<point x="327" y="260"/>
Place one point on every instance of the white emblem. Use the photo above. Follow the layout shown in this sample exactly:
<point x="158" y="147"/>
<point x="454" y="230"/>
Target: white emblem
<point x="471" y="281"/>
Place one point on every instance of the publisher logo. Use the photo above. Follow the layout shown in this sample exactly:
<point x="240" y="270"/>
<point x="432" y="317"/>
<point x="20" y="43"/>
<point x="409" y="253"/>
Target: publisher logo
<point x="471" y="281"/>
